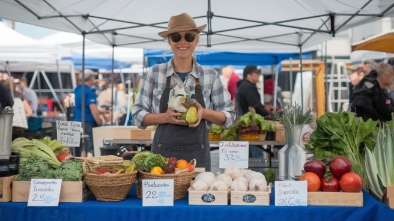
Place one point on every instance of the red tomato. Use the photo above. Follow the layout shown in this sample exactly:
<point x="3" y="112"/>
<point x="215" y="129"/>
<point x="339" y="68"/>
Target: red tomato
<point x="62" y="156"/>
<point x="331" y="185"/>
<point x="351" y="182"/>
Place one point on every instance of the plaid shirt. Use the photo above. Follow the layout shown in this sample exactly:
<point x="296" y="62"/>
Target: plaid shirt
<point x="216" y="97"/>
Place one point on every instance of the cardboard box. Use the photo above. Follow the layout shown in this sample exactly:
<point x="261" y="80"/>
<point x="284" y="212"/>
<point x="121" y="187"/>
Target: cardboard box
<point x="208" y="198"/>
<point x="71" y="191"/>
<point x="6" y="188"/>
<point x="280" y="134"/>
<point x="251" y="198"/>
<point x="335" y="199"/>
<point x="389" y="197"/>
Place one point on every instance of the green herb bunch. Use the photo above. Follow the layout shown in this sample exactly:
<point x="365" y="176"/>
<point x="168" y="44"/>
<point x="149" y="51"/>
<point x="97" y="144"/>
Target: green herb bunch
<point x="294" y="115"/>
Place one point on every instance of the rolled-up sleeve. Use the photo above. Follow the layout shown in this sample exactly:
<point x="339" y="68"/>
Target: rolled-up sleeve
<point x="143" y="103"/>
<point x="221" y="101"/>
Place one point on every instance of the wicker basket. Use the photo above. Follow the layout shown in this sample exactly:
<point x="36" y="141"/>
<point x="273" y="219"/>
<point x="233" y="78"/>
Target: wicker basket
<point x="107" y="187"/>
<point x="181" y="182"/>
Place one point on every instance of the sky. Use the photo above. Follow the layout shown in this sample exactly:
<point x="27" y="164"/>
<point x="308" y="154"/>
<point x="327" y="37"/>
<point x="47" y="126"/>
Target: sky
<point x="33" y="31"/>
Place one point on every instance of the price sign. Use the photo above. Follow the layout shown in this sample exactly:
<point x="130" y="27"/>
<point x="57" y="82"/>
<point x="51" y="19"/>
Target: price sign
<point x="44" y="192"/>
<point x="158" y="192"/>
<point x="291" y="193"/>
<point x="69" y="132"/>
<point x="234" y="153"/>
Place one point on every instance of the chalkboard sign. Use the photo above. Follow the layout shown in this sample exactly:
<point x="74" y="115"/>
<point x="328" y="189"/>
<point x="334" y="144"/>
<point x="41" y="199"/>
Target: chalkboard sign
<point x="234" y="153"/>
<point x="69" y="132"/>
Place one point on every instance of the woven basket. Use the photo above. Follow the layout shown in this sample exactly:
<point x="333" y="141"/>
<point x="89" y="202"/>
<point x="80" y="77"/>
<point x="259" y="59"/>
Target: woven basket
<point x="181" y="182"/>
<point x="107" y="187"/>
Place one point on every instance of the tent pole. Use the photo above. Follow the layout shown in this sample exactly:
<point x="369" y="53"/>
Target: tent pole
<point x="291" y="80"/>
<point x="9" y="78"/>
<point x="302" y="86"/>
<point x="276" y="85"/>
<point x="209" y="22"/>
<point x="60" y="84"/>
<point x="326" y="77"/>
<point x="112" y="85"/>
<point x="83" y="95"/>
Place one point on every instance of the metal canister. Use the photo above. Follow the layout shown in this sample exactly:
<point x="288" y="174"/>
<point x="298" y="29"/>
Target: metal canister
<point x="6" y="117"/>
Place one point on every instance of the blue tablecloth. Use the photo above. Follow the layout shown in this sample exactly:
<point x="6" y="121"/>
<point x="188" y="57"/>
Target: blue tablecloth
<point x="131" y="209"/>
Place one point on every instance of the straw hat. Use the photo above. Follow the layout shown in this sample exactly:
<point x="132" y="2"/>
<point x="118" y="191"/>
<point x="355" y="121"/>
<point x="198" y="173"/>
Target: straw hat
<point x="182" y="22"/>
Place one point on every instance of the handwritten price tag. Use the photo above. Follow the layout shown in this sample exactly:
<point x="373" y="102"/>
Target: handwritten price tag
<point x="69" y="132"/>
<point x="233" y="153"/>
<point x="158" y="192"/>
<point x="44" y="192"/>
<point x="291" y="193"/>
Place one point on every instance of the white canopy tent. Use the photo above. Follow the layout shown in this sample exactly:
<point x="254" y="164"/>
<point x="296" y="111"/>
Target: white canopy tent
<point x="19" y="53"/>
<point x="254" y="25"/>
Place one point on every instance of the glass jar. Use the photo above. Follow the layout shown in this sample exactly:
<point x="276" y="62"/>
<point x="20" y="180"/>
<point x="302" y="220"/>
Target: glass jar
<point x="292" y="156"/>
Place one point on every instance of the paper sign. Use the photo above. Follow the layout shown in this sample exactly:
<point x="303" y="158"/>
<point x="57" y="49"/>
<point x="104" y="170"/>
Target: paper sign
<point x="69" y="132"/>
<point x="234" y="153"/>
<point x="44" y="192"/>
<point x="291" y="193"/>
<point x="158" y="192"/>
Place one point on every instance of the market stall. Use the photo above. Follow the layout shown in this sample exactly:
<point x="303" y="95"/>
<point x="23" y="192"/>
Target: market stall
<point x="131" y="209"/>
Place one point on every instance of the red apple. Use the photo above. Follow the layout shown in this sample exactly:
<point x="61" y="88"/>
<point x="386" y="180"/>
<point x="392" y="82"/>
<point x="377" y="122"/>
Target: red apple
<point x="316" y="166"/>
<point x="351" y="182"/>
<point x="339" y="166"/>
<point x="329" y="184"/>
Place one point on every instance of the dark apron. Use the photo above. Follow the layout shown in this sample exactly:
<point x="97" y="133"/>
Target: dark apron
<point x="181" y="141"/>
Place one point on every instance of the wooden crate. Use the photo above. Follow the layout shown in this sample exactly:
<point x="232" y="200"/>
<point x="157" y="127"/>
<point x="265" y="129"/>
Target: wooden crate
<point x="6" y="188"/>
<point x="335" y="199"/>
<point x="251" y="198"/>
<point x="71" y="191"/>
<point x="208" y="198"/>
<point x="280" y="134"/>
<point x="389" y="197"/>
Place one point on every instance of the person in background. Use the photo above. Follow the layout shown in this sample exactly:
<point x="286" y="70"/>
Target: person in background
<point x="370" y="67"/>
<point x="6" y="97"/>
<point x="29" y="95"/>
<point x="105" y="100"/>
<point x="247" y="96"/>
<point x="371" y="100"/>
<point x="173" y="136"/>
<point x="356" y="74"/>
<point x="233" y="78"/>
<point x="92" y="114"/>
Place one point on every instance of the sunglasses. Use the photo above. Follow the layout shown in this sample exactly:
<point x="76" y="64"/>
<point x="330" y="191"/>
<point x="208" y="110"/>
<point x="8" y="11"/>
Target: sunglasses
<point x="189" y="37"/>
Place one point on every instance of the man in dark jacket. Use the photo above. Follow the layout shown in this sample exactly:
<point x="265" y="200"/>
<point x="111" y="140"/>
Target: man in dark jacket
<point x="371" y="100"/>
<point x="5" y="97"/>
<point x="247" y="94"/>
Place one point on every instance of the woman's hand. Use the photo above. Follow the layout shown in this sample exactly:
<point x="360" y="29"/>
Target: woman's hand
<point x="173" y="117"/>
<point x="200" y="111"/>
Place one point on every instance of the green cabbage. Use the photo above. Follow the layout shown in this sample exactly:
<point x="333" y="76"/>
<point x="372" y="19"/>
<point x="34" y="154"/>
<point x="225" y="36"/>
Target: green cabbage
<point x="139" y="160"/>
<point x="154" y="160"/>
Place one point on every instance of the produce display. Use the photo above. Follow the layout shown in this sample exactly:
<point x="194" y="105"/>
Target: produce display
<point x="342" y="134"/>
<point x="379" y="163"/>
<point x="249" y="123"/>
<point x="338" y="177"/>
<point x="147" y="161"/>
<point x="233" y="179"/>
<point x="40" y="159"/>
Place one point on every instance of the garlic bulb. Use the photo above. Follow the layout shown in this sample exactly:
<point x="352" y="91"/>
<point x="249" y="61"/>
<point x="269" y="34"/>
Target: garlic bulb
<point x="225" y="178"/>
<point x="199" y="185"/>
<point x="257" y="184"/>
<point x="239" y="184"/>
<point x="247" y="173"/>
<point x="233" y="172"/>
<point x="208" y="177"/>
<point x="255" y="174"/>
<point x="218" y="185"/>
